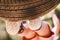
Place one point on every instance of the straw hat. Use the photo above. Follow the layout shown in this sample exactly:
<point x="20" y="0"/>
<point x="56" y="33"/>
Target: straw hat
<point x="25" y="9"/>
<point x="15" y="10"/>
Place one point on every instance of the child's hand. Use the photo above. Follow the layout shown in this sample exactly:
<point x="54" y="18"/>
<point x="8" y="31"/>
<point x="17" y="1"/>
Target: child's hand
<point x="52" y="13"/>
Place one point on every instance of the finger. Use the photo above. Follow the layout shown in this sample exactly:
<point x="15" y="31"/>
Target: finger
<point x="35" y="24"/>
<point x="12" y="27"/>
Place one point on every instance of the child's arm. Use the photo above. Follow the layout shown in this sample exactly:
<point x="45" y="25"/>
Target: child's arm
<point x="56" y="22"/>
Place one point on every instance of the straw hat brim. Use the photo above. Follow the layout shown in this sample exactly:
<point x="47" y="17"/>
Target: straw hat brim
<point x="26" y="10"/>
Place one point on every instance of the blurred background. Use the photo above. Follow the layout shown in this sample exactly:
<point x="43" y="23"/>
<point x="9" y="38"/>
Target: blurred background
<point x="5" y="36"/>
